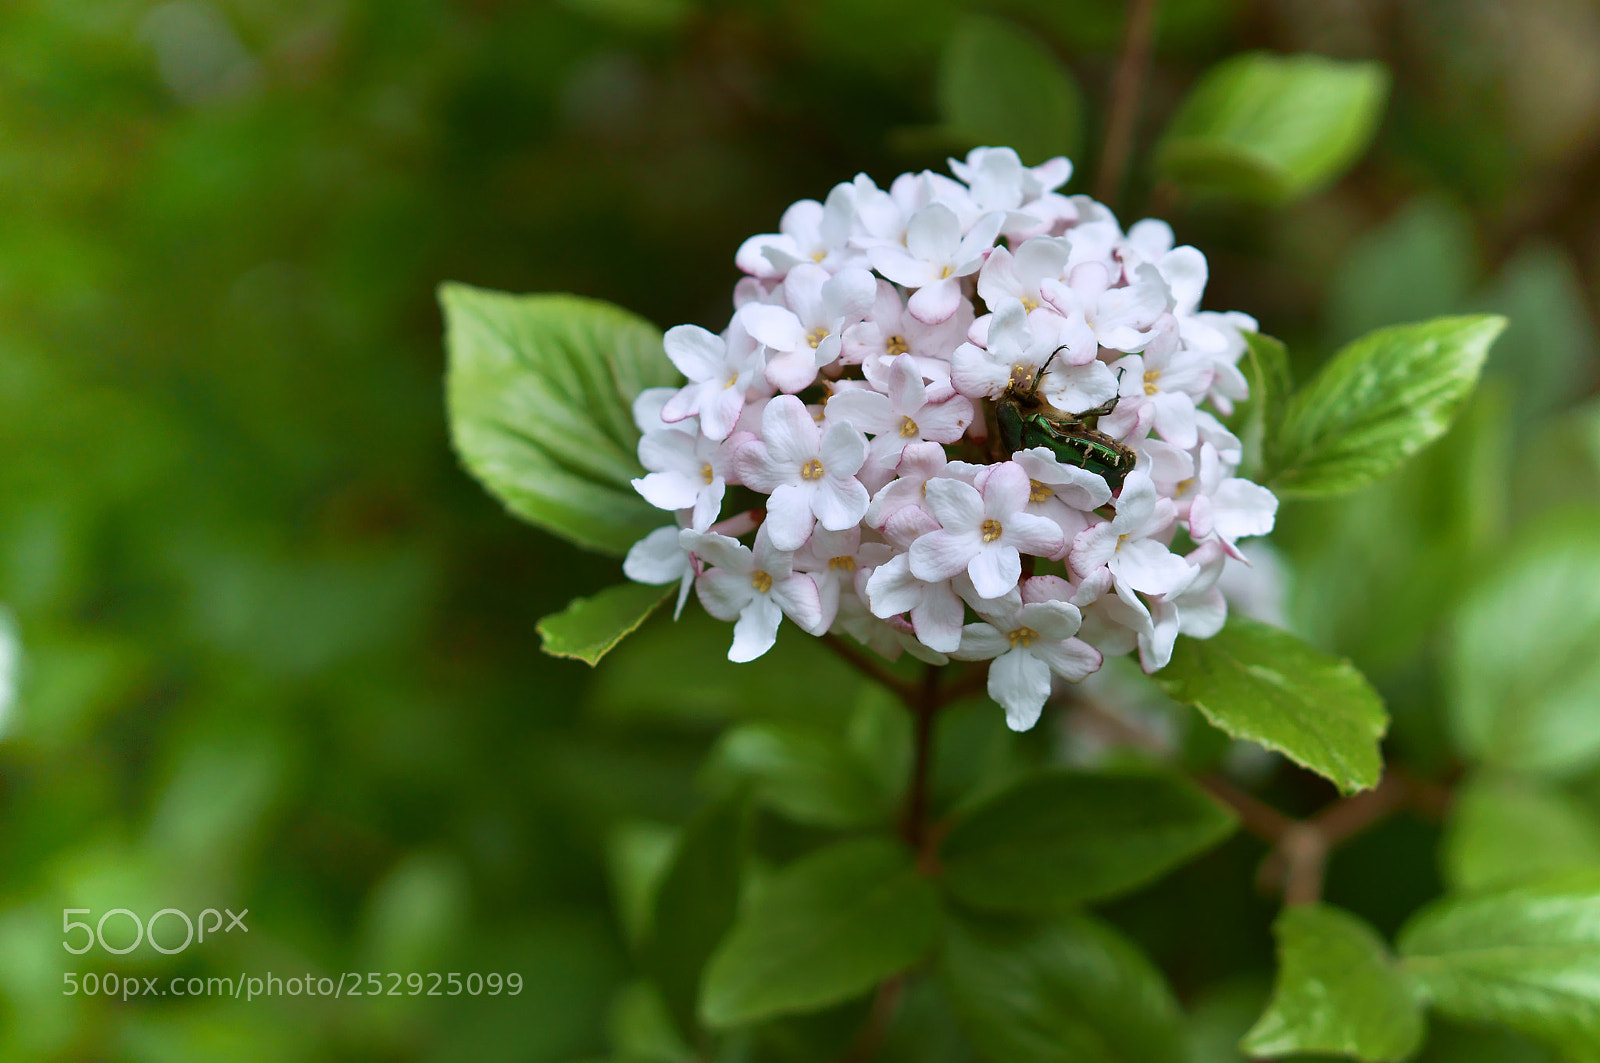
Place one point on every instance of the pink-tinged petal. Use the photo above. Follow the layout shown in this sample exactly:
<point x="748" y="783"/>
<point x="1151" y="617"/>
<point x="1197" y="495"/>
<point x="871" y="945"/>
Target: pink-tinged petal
<point x="790" y="432"/>
<point x="938" y="618"/>
<point x="801" y="599"/>
<point x="1094" y="547"/>
<point x="657" y="558"/>
<point x="708" y="505"/>
<point x="843" y="450"/>
<point x="756" y="630"/>
<point x="1092" y="587"/>
<point x="802" y="290"/>
<point x="839" y="503"/>
<point x="981" y="642"/>
<point x="850" y="294"/>
<point x="995" y="570"/>
<point x="1136" y="501"/>
<point x="934" y="234"/>
<point x="754" y="465"/>
<point x="1201" y="523"/>
<point x="724" y="593"/>
<point x="698" y="354"/>
<point x="1039" y="536"/>
<point x="976" y="374"/>
<point x="792" y="371"/>
<point x="866" y="410"/>
<point x="716" y="549"/>
<point x="901" y="267"/>
<point x="905" y="386"/>
<point x="1244" y="509"/>
<point x="1184" y="270"/>
<point x="1145" y="565"/>
<point x="909" y="523"/>
<point x="937" y="302"/>
<point x="942" y="554"/>
<point x="1005" y="488"/>
<point x="946" y="421"/>
<point x="1202" y="615"/>
<point x="957" y="505"/>
<point x="682" y="405"/>
<point x="789" y="517"/>
<point x="1175" y="420"/>
<point x="892" y="589"/>
<point x="776" y="326"/>
<point x="1052" y="620"/>
<point x="718" y="416"/>
<point x="1073" y="660"/>
<point x="1155" y="645"/>
<point x="752" y="259"/>
<point x="1020" y="682"/>
<point x="770" y="558"/>
<point x="667" y="490"/>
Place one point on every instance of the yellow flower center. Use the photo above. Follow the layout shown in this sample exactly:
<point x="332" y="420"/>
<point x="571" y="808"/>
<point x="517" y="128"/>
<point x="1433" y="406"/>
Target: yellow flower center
<point x="1023" y="636"/>
<point x="991" y="530"/>
<point x="944" y="274"/>
<point x="895" y="346"/>
<point x="760" y="581"/>
<point x="732" y="380"/>
<point x="811" y="470"/>
<point x="816" y="336"/>
<point x="908" y="428"/>
<point x="1182" y="488"/>
<point x="818" y="256"/>
<point x="848" y="564"/>
<point x="1020" y="374"/>
<point x="1037" y="492"/>
<point x="706" y="472"/>
<point x="1150" y="378"/>
<point x="1029" y="303"/>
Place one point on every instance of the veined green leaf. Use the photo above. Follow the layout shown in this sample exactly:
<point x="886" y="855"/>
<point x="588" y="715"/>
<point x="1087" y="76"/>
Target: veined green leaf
<point x="1261" y="683"/>
<point x="1339" y="991"/>
<point x="1528" y="958"/>
<point x="588" y="628"/>
<point x="1070" y="836"/>
<point x="1504" y="831"/>
<point x="540" y="391"/>
<point x="804" y="774"/>
<point x="825" y="929"/>
<point x="1069" y="990"/>
<point x="1379" y="400"/>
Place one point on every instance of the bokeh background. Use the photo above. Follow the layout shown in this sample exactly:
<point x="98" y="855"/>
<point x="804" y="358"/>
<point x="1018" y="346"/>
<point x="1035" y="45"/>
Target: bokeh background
<point x="268" y="647"/>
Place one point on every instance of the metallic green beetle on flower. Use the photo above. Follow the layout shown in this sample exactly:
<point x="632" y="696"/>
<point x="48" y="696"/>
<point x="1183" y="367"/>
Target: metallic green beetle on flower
<point x="1026" y="420"/>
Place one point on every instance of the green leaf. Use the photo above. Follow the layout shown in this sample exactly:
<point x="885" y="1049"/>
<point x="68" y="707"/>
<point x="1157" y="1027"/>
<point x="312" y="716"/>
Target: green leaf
<point x="695" y="905"/>
<point x="1525" y="674"/>
<point x="1071" y="836"/>
<point x="1259" y="419"/>
<point x="998" y="85"/>
<point x="1421" y="262"/>
<point x="1504" y="831"/>
<point x="638" y="854"/>
<point x="588" y="628"/>
<point x="1339" y="991"/>
<point x="1549" y="349"/>
<point x="1069" y="990"/>
<point x="1527" y="958"/>
<point x="801" y="773"/>
<point x="1270" y="128"/>
<point x="826" y="928"/>
<point x="1258" y="682"/>
<point x="540" y="391"/>
<point x="1379" y="400"/>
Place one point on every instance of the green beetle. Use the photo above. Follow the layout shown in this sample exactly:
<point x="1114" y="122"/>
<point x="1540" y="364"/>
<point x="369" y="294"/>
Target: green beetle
<point x="1025" y="420"/>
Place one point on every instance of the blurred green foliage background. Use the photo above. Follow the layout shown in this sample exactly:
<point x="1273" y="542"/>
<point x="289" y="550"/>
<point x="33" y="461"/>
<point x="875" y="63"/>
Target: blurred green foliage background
<point x="277" y="651"/>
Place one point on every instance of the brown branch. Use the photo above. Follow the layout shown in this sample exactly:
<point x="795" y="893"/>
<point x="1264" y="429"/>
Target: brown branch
<point x="926" y="707"/>
<point x="1127" y="86"/>
<point x="905" y="691"/>
<point x="884" y="1006"/>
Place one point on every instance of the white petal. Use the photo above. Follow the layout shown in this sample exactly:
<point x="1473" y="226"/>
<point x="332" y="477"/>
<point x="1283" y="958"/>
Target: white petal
<point x="657" y="558"/>
<point x="799" y="597"/>
<point x="1145" y="565"/>
<point x="843" y="450"/>
<point x="839" y="503"/>
<point x="756" y="630"/>
<point x="698" y="354"/>
<point x="942" y="554"/>
<point x="1072" y="660"/>
<point x="938" y="618"/>
<point x="724" y="593"/>
<point x="957" y="505"/>
<point x="936" y="302"/>
<point x="1020" y="682"/>
<point x="790" y="432"/>
<point x="789" y="516"/>
<point x="995" y="569"/>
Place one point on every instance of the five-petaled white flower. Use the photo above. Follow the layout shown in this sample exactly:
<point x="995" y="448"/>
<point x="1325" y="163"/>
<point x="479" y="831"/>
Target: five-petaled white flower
<point x="810" y="472"/>
<point x="756" y="588"/>
<point x="1026" y="641"/>
<point x="984" y="529"/>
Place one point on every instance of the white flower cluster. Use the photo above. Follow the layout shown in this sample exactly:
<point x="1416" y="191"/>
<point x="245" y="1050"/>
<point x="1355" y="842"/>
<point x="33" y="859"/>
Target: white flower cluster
<point x="873" y="340"/>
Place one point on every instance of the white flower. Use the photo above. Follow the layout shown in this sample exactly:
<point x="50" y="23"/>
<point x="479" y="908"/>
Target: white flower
<point x="890" y="331"/>
<point x="1167" y="380"/>
<point x="1127" y="544"/>
<point x="1228" y="507"/>
<point x="809" y="231"/>
<point x="1122" y="318"/>
<point x="805" y="335"/>
<point x="1064" y="494"/>
<point x="757" y="588"/>
<point x="933" y="607"/>
<point x="899" y="414"/>
<point x="1018" y="344"/>
<point x="1018" y="276"/>
<point x="809" y="472"/>
<point x="660" y="557"/>
<point x="983" y="531"/>
<point x="1026" y="641"/>
<point x="686" y="470"/>
<point x="833" y="558"/>
<point x="719" y="376"/>
<point x="935" y="258"/>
